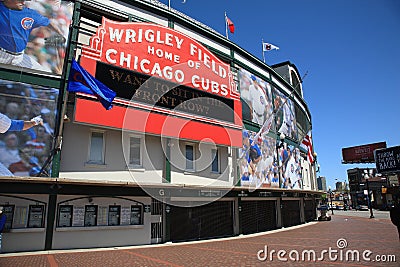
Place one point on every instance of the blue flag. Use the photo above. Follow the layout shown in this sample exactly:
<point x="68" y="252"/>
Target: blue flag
<point x="82" y="81"/>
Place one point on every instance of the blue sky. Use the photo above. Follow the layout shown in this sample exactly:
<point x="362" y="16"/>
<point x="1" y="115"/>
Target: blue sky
<point x="351" y="50"/>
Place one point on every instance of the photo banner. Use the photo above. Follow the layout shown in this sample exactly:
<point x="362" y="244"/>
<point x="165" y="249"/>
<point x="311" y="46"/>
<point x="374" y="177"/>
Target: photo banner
<point x="33" y="36"/>
<point x="285" y="116"/>
<point x="256" y="97"/>
<point x="24" y="152"/>
<point x="258" y="163"/>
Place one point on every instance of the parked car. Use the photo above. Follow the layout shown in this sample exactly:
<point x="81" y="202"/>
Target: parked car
<point x="361" y="207"/>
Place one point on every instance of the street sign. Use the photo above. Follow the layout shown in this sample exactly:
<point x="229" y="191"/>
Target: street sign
<point x="387" y="160"/>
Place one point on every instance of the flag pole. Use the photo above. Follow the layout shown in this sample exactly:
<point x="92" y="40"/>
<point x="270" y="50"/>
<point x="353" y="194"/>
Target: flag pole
<point x="169" y="4"/>
<point x="226" y="27"/>
<point x="262" y="48"/>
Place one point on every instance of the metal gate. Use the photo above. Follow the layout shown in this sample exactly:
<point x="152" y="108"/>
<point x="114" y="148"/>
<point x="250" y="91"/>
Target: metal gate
<point x="309" y="210"/>
<point x="290" y="212"/>
<point x="156" y="221"/>
<point x="209" y="221"/>
<point x="257" y="216"/>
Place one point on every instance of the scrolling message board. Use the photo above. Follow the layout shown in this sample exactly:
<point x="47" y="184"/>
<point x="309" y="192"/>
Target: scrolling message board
<point x="158" y="92"/>
<point x="388" y="160"/>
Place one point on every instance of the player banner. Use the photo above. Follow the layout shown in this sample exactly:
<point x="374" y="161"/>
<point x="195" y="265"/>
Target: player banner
<point x="27" y="124"/>
<point x="256" y="97"/>
<point x="285" y="116"/>
<point x="259" y="163"/>
<point x="33" y="34"/>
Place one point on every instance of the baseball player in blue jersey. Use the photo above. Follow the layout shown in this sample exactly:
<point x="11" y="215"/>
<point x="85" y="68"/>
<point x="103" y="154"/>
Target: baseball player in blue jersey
<point x="16" y="23"/>
<point x="6" y="125"/>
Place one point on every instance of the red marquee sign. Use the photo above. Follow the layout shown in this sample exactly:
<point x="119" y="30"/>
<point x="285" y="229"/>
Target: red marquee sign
<point x="159" y="51"/>
<point x="125" y="54"/>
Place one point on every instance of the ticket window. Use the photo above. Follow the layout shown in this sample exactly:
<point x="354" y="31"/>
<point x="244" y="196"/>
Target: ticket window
<point x="8" y="210"/>
<point x="36" y="216"/>
<point x="114" y="213"/>
<point x="136" y="215"/>
<point x="65" y="216"/>
<point x="91" y="215"/>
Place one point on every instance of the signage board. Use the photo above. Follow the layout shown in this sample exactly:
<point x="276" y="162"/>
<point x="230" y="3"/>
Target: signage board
<point x="161" y="52"/>
<point x="34" y="38"/>
<point x="388" y="160"/>
<point x="166" y="83"/>
<point x="161" y="93"/>
<point x="361" y="154"/>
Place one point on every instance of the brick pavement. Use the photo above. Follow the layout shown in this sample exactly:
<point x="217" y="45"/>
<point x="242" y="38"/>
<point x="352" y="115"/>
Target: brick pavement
<point x="361" y="234"/>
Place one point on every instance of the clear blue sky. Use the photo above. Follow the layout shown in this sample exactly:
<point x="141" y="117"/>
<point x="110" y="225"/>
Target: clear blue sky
<point x="351" y="50"/>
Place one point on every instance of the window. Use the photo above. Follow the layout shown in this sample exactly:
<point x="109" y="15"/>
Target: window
<point x="134" y="151"/>
<point x="36" y="216"/>
<point x="215" y="160"/>
<point x="136" y="215"/>
<point x="96" y="150"/>
<point x="8" y="210"/>
<point x="65" y="216"/>
<point x="114" y="215"/>
<point x="91" y="215"/>
<point x="189" y="157"/>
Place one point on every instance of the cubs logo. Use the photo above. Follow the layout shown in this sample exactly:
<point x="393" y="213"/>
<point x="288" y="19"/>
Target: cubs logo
<point x="262" y="100"/>
<point x="27" y="23"/>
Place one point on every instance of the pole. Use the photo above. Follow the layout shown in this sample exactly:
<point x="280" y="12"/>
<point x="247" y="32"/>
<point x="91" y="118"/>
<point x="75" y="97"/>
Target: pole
<point x="330" y="194"/>
<point x="226" y="27"/>
<point x="262" y="49"/>
<point x="369" y="201"/>
<point x="277" y="146"/>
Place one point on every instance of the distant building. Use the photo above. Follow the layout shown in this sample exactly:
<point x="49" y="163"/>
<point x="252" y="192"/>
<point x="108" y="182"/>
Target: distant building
<point x="358" y="187"/>
<point x="321" y="181"/>
<point x="341" y="186"/>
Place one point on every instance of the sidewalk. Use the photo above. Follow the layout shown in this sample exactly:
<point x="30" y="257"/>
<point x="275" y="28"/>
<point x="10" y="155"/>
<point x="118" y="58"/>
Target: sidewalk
<point x="344" y="236"/>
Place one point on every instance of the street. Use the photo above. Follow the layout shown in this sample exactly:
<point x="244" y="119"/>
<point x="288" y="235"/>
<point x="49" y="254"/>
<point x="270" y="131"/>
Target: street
<point x="378" y="214"/>
<point x="351" y="238"/>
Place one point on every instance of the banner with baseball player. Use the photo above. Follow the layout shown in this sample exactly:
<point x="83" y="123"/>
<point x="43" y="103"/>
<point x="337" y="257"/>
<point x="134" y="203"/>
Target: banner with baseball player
<point x="285" y="116"/>
<point x="256" y="97"/>
<point x="290" y="162"/>
<point x="27" y="124"/>
<point x="33" y="34"/>
<point x="257" y="164"/>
